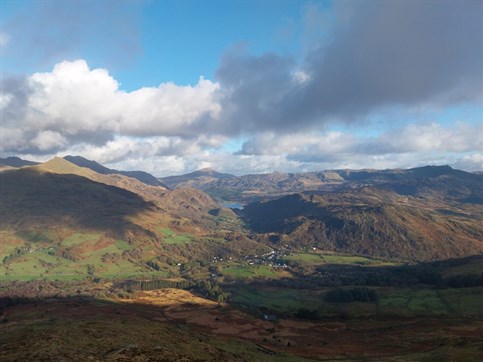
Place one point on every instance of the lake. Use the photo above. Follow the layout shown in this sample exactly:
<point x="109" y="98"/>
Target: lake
<point x="233" y="205"/>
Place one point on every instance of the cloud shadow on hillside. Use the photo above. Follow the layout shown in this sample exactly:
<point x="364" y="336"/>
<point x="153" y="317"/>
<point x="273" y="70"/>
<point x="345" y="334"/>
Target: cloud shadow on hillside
<point x="30" y="199"/>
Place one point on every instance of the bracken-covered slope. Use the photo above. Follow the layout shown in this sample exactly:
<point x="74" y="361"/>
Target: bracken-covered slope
<point x="371" y="222"/>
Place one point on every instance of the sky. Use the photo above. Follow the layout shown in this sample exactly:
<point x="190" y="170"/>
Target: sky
<point x="243" y="87"/>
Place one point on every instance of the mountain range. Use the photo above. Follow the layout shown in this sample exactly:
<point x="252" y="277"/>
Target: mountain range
<point x="61" y="216"/>
<point x="421" y="181"/>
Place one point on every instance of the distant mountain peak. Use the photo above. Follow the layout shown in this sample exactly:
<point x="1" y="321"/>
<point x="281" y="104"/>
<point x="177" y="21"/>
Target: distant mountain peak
<point x="84" y="162"/>
<point x="142" y="176"/>
<point x="14" y="161"/>
<point x="193" y="179"/>
<point x="208" y="170"/>
<point x="61" y="165"/>
<point x="433" y="170"/>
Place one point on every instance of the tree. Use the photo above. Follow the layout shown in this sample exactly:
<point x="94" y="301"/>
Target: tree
<point x="90" y="270"/>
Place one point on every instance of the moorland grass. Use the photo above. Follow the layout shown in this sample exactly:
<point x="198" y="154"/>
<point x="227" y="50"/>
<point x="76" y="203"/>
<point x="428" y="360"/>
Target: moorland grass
<point x="124" y="245"/>
<point x="171" y="237"/>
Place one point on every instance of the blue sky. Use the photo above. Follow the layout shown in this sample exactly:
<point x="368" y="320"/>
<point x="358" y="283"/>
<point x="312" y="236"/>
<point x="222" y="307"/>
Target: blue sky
<point x="243" y="86"/>
<point x="183" y="40"/>
<point x="179" y="41"/>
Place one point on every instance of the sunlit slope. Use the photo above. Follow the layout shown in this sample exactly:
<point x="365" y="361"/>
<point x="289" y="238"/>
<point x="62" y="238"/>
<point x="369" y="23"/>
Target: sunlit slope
<point x="371" y="222"/>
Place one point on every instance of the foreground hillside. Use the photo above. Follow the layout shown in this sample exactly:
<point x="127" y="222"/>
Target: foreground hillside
<point x="411" y="316"/>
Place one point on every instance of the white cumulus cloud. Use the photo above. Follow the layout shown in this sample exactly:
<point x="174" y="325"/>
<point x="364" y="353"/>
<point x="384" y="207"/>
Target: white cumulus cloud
<point x="76" y="110"/>
<point x="83" y="105"/>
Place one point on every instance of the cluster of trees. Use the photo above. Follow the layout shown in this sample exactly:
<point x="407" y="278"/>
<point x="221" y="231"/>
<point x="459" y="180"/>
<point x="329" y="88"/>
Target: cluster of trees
<point x="212" y="290"/>
<point x="379" y="276"/>
<point x="153" y="265"/>
<point x="19" y="251"/>
<point x="304" y="313"/>
<point x="357" y="294"/>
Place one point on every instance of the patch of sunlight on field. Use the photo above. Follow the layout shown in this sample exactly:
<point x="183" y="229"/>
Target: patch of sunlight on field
<point x="171" y="237"/>
<point x="124" y="245"/>
<point x="95" y="257"/>
<point x="26" y="265"/>
<point x="249" y="271"/>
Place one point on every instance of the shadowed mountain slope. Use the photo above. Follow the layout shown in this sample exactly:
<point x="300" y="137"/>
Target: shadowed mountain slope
<point x="16" y="162"/>
<point x="191" y="204"/>
<point x="32" y="199"/>
<point x="139" y="175"/>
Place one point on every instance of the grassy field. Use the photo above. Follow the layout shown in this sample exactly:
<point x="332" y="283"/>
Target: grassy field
<point x="124" y="245"/>
<point x="249" y="271"/>
<point x="322" y="258"/>
<point x="36" y="236"/>
<point x="392" y="301"/>
<point x="171" y="237"/>
<point x="41" y="261"/>
<point x="283" y="300"/>
<point x="287" y="301"/>
<point x="79" y="238"/>
<point x="412" y="302"/>
<point x="464" y="300"/>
